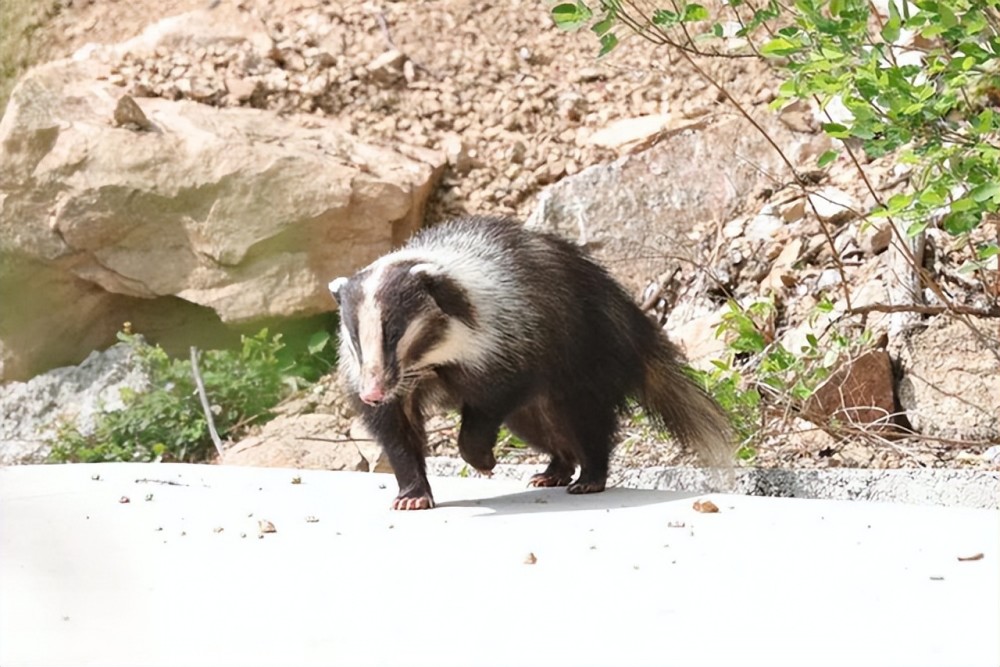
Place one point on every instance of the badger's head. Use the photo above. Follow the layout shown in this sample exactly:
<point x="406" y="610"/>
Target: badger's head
<point x="398" y="320"/>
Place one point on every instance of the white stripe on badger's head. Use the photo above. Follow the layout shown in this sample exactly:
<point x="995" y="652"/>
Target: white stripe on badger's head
<point x="345" y="292"/>
<point x="401" y="315"/>
<point x="370" y="342"/>
<point x="428" y="269"/>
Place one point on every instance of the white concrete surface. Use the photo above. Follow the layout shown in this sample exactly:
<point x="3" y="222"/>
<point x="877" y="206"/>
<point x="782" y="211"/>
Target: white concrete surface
<point x="87" y="580"/>
<point x="949" y="487"/>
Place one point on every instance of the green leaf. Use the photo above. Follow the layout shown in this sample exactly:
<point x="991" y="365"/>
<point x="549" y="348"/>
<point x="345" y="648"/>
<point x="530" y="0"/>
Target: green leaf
<point x="695" y="12"/>
<point x="916" y="228"/>
<point x="969" y="267"/>
<point x="985" y="121"/>
<point x="988" y="250"/>
<point x="826" y="158"/>
<point x="962" y="205"/>
<point x="948" y="18"/>
<point x="960" y="222"/>
<point x="570" y="16"/>
<point x="898" y="202"/>
<point x="608" y="42"/>
<point x="984" y="192"/>
<point x="779" y="46"/>
<point x="665" y="18"/>
<point x="890" y="31"/>
<point x="932" y="31"/>
<point x="836" y="130"/>
<point x="931" y="198"/>
<point x="318" y="341"/>
<point x="601" y="27"/>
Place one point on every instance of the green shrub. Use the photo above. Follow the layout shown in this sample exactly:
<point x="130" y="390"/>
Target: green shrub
<point x="167" y="422"/>
<point x="759" y="381"/>
<point x="921" y="85"/>
<point x="930" y="99"/>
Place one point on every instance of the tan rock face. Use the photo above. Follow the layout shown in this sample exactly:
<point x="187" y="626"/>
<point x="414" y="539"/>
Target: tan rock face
<point x="238" y="210"/>
<point x="286" y="443"/>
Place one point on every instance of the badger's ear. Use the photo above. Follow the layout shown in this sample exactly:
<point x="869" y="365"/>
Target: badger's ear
<point x="429" y="274"/>
<point x="450" y="297"/>
<point x="426" y="270"/>
<point x="336" y="286"/>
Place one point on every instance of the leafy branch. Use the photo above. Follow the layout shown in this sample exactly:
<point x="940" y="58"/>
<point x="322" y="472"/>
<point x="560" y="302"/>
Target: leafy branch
<point x="920" y="83"/>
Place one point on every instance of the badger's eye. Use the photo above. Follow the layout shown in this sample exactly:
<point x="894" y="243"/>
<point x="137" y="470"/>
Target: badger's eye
<point x="393" y="331"/>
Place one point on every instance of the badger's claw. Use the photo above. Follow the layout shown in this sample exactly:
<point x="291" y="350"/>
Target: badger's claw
<point x="586" y="487"/>
<point x="416" y="503"/>
<point x="544" y="479"/>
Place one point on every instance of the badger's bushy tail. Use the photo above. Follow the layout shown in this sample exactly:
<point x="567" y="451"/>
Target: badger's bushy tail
<point x="690" y="414"/>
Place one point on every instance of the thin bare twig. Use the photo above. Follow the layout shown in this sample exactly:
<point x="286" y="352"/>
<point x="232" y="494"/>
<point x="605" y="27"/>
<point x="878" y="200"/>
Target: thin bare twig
<point x="168" y="482"/>
<point x="204" y="403"/>
<point x="655" y="34"/>
<point x="993" y="311"/>
<point x="317" y="438"/>
<point x="947" y="443"/>
<point x="901" y="436"/>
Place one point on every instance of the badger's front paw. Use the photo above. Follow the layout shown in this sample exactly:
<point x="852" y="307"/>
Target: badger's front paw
<point x="424" y="502"/>
<point x="414" y="496"/>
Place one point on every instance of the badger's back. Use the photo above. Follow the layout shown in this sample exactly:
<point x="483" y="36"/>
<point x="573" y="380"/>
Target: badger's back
<point x="546" y="308"/>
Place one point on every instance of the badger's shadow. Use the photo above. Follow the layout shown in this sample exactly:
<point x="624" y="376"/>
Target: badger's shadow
<point x="532" y="501"/>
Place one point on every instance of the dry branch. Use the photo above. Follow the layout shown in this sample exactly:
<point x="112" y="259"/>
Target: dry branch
<point x="204" y="403"/>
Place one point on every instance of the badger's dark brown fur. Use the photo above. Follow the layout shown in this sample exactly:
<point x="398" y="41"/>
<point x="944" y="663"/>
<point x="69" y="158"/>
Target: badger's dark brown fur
<point x="515" y="327"/>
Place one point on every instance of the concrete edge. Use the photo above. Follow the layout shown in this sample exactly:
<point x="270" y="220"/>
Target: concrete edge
<point x="979" y="489"/>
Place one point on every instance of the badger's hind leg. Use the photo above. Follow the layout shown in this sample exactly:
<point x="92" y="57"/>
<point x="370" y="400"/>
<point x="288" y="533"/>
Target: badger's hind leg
<point x="593" y="425"/>
<point x="534" y="424"/>
<point x="573" y="431"/>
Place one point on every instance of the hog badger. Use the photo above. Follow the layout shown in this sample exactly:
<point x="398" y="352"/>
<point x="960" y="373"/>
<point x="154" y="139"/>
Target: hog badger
<point x="510" y="327"/>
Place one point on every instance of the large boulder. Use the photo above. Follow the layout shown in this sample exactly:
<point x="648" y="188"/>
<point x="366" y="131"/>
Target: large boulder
<point x="304" y="441"/>
<point x="655" y="204"/>
<point x="951" y="380"/>
<point x="33" y="412"/>
<point x="108" y="201"/>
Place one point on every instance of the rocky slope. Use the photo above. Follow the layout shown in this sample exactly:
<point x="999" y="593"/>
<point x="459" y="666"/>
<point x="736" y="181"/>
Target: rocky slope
<point x="637" y="157"/>
<point x="516" y="103"/>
